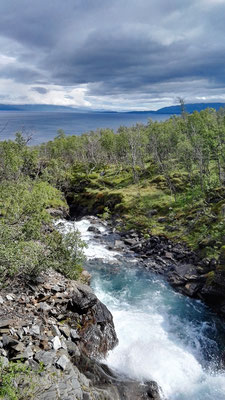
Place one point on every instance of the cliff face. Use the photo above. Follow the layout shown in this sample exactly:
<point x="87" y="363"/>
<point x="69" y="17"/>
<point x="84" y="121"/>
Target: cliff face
<point x="59" y="329"/>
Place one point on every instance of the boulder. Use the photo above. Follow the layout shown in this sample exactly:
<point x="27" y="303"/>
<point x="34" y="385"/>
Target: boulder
<point x="94" y="229"/>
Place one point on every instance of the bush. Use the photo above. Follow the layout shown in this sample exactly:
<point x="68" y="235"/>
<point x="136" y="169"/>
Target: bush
<point x="65" y="253"/>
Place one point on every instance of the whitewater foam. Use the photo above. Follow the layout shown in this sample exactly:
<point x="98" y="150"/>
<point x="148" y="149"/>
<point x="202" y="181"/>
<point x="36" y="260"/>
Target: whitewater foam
<point x="163" y="336"/>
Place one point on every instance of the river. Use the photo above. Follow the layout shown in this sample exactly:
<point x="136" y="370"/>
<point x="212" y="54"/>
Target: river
<point x="163" y="335"/>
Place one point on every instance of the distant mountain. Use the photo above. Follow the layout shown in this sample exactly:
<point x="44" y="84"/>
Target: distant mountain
<point x="190" y="108"/>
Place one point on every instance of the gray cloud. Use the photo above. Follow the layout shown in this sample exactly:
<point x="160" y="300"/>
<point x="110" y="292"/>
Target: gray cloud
<point x="121" y="48"/>
<point x="39" y="89"/>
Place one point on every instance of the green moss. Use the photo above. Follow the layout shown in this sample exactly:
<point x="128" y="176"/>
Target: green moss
<point x="210" y="278"/>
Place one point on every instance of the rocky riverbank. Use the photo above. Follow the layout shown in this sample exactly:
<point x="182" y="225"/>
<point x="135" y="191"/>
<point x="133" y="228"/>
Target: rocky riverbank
<point x="184" y="269"/>
<point x="59" y="330"/>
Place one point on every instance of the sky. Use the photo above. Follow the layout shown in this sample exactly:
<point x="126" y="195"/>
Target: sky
<point x="112" y="54"/>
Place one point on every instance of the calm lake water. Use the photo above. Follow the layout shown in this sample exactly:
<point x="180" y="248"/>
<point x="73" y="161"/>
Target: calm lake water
<point x="44" y="125"/>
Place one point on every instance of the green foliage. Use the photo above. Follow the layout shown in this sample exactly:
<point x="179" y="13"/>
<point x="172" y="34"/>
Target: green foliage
<point x="11" y="377"/>
<point x="65" y="253"/>
<point x="26" y="246"/>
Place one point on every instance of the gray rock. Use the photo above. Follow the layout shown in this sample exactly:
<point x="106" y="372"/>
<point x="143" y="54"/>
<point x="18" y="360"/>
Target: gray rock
<point x="63" y="342"/>
<point x="72" y="349"/>
<point x="24" y="355"/>
<point x="35" y="330"/>
<point x="63" y="362"/>
<point x="19" y="347"/>
<point x="44" y="307"/>
<point x="56" y="343"/>
<point x="5" y="322"/>
<point x="74" y="335"/>
<point x="28" y="352"/>
<point x="9" y="341"/>
<point x="83" y="299"/>
<point x="55" y="330"/>
<point x="56" y="288"/>
<point x="94" y="229"/>
<point x="119" y="244"/>
<point x="1" y="300"/>
<point x="47" y="357"/>
<point x="4" y="361"/>
<point x="65" y="330"/>
<point x="130" y="242"/>
<point x="10" y="297"/>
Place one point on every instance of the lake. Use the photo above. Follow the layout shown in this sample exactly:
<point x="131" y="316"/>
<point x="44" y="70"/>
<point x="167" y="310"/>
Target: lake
<point x="44" y="125"/>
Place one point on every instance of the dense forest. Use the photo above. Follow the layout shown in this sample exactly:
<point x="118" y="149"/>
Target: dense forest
<point x="161" y="178"/>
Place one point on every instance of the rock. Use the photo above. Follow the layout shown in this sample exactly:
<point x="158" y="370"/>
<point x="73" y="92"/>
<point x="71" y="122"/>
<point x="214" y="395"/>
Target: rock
<point x="137" y="391"/>
<point x="45" y="345"/>
<point x="82" y="300"/>
<point x="4" y="361"/>
<point x="6" y="322"/>
<point x="153" y="390"/>
<point x="94" y="229"/>
<point x="35" y="330"/>
<point x="47" y="357"/>
<point x="60" y="317"/>
<point x="130" y="242"/>
<point x="56" y="288"/>
<point x="56" y="343"/>
<point x="119" y="245"/>
<point x="9" y="341"/>
<point x="1" y="300"/>
<point x="55" y="330"/>
<point x="19" y="347"/>
<point x="72" y="349"/>
<point x="191" y="289"/>
<point x="161" y="220"/>
<point x="28" y="352"/>
<point x="57" y="212"/>
<point x="74" y="335"/>
<point x="151" y="213"/>
<point x="10" y="297"/>
<point x="44" y="307"/>
<point x="62" y="362"/>
<point x="65" y="330"/>
<point x="85" y="277"/>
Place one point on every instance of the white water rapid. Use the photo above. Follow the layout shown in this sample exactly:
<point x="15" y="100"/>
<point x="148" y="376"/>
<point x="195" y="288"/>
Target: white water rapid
<point x="163" y="336"/>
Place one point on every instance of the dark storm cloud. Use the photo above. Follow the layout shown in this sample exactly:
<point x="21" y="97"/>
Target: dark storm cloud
<point x="20" y="73"/>
<point x="118" y="48"/>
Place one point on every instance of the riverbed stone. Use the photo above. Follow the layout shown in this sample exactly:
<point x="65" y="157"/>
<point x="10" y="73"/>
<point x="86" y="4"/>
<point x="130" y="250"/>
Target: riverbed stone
<point x="94" y="229"/>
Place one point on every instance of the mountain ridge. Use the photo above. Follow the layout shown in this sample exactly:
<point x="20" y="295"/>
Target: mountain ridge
<point x="176" y="109"/>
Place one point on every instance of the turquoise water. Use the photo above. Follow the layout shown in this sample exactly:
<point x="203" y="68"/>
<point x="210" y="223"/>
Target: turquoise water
<point x="163" y="335"/>
<point x="44" y="125"/>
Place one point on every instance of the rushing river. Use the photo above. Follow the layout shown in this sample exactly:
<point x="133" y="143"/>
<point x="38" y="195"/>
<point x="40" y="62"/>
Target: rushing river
<point x="163" y="336"/>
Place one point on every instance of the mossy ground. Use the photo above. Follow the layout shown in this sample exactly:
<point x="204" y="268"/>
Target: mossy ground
<point x="149" y="206"/>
